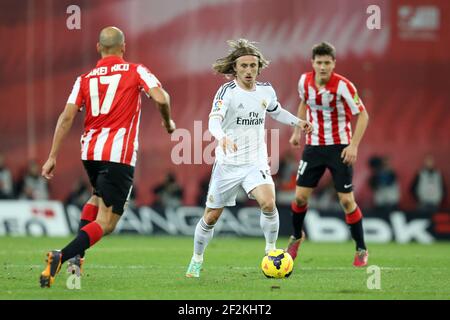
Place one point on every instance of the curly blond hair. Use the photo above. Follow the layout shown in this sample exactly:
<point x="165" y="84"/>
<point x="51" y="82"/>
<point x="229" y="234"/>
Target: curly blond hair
<point x="239" y="48"/>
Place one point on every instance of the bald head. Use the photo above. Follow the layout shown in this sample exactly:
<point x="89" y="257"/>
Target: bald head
<point x="111" y="41"/>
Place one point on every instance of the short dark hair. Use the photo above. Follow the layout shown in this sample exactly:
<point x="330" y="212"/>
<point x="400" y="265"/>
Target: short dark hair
<point x="324" y="49"/>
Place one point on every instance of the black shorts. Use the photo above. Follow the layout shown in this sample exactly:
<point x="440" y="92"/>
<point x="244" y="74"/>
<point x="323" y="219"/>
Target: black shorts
<point x="111" y="181"/>
<point x="316" y="159"/>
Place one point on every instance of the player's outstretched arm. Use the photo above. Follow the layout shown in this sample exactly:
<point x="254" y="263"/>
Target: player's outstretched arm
<point x="162" y="100"/>
<point x="63" y="126"/>
<point x="282" y="115"/>
<point x="350" y="153"/>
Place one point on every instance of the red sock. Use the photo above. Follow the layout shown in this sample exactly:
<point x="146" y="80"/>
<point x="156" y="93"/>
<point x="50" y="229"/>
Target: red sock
<point x="296" y="209"/>
<point x="298" y="216"/>
<point x="94" y="232"/>
<point x="89" y="212"/>
<point x="86" y="238"/>
<point x="354" y="220"/>
<point x="353" y="217"/>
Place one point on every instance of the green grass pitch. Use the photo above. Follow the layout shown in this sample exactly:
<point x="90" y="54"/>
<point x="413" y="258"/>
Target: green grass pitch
<point x="137" y="267"/>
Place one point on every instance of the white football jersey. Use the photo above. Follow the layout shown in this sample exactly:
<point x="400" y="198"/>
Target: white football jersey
<point x="244" y="114"/>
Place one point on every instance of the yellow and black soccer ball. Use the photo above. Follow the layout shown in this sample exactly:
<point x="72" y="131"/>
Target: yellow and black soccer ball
<point x="277" y="264"/>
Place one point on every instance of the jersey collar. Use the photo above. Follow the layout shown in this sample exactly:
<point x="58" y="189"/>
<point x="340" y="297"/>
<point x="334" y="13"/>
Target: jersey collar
<point x="109" y="60"/>
<point x="237" y="85"/>
<point x="326" y="84"/>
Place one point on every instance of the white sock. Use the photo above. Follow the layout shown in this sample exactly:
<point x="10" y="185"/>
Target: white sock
<point x="270" y="224"/>
<point x="203" y="233"/>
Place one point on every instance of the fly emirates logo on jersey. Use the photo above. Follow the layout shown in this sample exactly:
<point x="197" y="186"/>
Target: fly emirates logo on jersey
<point x="252" y="120"/>
<point x="104" y="70"/>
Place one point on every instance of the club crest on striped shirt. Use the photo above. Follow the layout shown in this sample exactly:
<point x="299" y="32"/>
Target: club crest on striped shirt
<point x="327" y="97"/>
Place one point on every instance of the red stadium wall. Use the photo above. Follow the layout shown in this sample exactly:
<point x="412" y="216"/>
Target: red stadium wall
<point x="400" y="71"/>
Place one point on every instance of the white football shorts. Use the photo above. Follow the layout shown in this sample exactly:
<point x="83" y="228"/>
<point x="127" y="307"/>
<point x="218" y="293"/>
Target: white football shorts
<point x="227" y="179"/>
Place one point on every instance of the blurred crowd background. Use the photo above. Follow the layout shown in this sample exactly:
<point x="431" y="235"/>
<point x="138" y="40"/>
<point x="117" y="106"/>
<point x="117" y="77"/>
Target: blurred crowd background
<point x="400" y="70"/>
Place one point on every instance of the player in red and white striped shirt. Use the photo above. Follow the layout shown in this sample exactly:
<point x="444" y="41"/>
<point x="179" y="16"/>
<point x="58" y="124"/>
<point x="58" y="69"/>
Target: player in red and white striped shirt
<point x="110" y="95"/>
<point x="328" y="101"/>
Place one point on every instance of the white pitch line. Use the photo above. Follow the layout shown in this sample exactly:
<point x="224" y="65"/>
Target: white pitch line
<point x="103" y="266"/>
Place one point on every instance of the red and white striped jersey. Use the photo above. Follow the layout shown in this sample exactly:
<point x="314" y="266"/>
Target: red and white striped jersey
<point x="111" y="95"/>
<point x="329" y="109"/>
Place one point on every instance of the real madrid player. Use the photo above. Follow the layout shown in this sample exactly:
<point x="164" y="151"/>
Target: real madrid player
<point x="237" y="122"/>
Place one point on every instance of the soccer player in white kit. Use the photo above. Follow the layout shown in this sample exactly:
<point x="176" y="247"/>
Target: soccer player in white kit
<point x="237" y="122"/>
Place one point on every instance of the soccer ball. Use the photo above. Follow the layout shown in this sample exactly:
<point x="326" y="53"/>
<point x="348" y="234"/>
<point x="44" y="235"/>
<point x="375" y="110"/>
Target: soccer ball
<point x="277" y="264"/>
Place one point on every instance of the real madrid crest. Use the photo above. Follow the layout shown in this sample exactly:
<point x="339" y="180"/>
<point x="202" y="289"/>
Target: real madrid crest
<point x="264" y="104"/>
